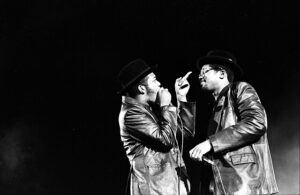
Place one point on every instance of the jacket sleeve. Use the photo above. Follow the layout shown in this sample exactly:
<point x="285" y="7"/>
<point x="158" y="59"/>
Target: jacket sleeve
<point x="151" y="131"/>
<point x="251" y="124"/>
<point x="187" y="117"/>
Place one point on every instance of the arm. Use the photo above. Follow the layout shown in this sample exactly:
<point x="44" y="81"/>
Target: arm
<point x="251" y="125"/>
<point x="145" y="128"/>
<point x="186" y="110"/>
<point x="252" y="122"/>
<point x="187" y="115"/>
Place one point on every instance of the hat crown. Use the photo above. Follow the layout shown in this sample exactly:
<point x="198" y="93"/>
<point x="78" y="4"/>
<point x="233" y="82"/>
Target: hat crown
<point x="130" y="70"/>
<point x="222" y="54"/>
<point x="223" y="58"/>
<point x="132" y="73"/>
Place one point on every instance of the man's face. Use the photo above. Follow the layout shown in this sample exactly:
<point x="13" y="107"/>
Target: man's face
<point x="208" y="78"/>
<point x="152" y="87"/>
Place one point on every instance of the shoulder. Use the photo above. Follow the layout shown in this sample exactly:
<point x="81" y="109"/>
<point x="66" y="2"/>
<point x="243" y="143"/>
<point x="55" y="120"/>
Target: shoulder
<point x="241" y="87"/>
<point x="241" y="91"/>
<point x="136" y="112"/>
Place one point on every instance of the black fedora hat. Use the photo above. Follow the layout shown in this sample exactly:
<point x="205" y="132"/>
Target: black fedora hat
<point x="223" y="58"/>
<point x="132" y="73"/>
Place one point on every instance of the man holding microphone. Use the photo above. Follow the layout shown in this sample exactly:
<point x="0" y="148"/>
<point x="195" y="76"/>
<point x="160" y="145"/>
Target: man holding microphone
<point x="149" y="125"/>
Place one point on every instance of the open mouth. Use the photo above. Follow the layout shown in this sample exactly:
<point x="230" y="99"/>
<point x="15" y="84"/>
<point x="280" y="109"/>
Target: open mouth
<point x="202" y="83"/>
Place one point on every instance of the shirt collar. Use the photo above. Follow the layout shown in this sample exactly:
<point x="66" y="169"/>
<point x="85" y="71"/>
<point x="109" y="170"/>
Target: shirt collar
<point x="223" y="91"/>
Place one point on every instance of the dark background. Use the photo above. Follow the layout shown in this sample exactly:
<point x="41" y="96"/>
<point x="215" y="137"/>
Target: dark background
<point x="58" y="66"/>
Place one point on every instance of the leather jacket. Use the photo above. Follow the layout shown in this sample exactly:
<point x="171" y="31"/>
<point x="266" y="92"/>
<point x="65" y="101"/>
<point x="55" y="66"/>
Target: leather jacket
<point x="238" y="134"/>
<point x="150" y="140"/>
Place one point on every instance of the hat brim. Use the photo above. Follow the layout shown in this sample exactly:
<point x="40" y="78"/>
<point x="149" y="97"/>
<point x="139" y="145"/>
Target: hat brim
<point x="137" y="78"/>
<point x="235" y="68"/>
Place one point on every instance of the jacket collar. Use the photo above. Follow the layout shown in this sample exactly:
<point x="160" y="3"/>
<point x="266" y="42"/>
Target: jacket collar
<point x="132" y="101"/>
<point x="223" y="92"/>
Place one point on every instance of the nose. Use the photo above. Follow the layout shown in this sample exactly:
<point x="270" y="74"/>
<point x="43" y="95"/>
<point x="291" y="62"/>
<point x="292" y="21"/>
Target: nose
<point x="158" y="84"/>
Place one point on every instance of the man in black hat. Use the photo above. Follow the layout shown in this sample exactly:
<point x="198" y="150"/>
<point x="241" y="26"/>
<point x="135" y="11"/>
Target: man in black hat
<point x="149" y="125"/>
<point x="237" y="145"/>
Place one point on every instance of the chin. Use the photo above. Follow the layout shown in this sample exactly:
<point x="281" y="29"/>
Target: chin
<point x="203" y="86"/>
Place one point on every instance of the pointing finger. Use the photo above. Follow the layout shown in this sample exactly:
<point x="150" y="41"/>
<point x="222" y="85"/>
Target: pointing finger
<point x="187" y="75"/>
<point x="183" y="79"/>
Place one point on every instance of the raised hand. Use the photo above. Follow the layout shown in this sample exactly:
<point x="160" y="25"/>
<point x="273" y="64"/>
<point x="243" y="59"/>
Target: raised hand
<point x="164" y="97"/>
<point x="182" y="87"/>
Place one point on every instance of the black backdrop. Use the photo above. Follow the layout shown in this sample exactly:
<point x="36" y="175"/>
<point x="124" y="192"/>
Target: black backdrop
<point x="59" y="61"/>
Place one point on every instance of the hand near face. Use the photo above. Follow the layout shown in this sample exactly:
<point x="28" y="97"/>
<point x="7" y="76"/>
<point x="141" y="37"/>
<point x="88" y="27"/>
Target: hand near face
<point x="182" y="87"/>
<point x="164" y="97"/>
<point x="199" y="150"/>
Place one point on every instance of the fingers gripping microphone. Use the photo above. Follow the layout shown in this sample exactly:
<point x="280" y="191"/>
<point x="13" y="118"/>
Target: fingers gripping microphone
<point x="204" y="158"/>
<point x="183" y="86"/>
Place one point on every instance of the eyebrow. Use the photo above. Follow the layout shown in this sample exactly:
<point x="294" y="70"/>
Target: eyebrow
<point x="206" y="69"/>
<point x="152" y="78"/>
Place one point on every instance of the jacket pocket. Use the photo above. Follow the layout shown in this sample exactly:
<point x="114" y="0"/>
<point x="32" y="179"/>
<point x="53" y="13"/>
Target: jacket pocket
<point x="245" y="158"/>
<point x="155" y="160"/>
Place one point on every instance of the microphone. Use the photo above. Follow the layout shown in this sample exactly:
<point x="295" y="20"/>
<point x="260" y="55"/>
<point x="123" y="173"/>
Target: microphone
<point x="204" y="158"/>
<point x="183" y="86"/>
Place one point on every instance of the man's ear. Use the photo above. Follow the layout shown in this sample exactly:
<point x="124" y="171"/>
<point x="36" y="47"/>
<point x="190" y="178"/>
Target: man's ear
<point x="142" y="89"/>
<point x="222" y="74"/>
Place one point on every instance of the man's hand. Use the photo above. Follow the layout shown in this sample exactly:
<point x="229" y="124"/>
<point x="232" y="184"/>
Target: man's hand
<point x="198" y="151"/>
<point x="164" y="97"/>
<point x="182" y="87"/>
